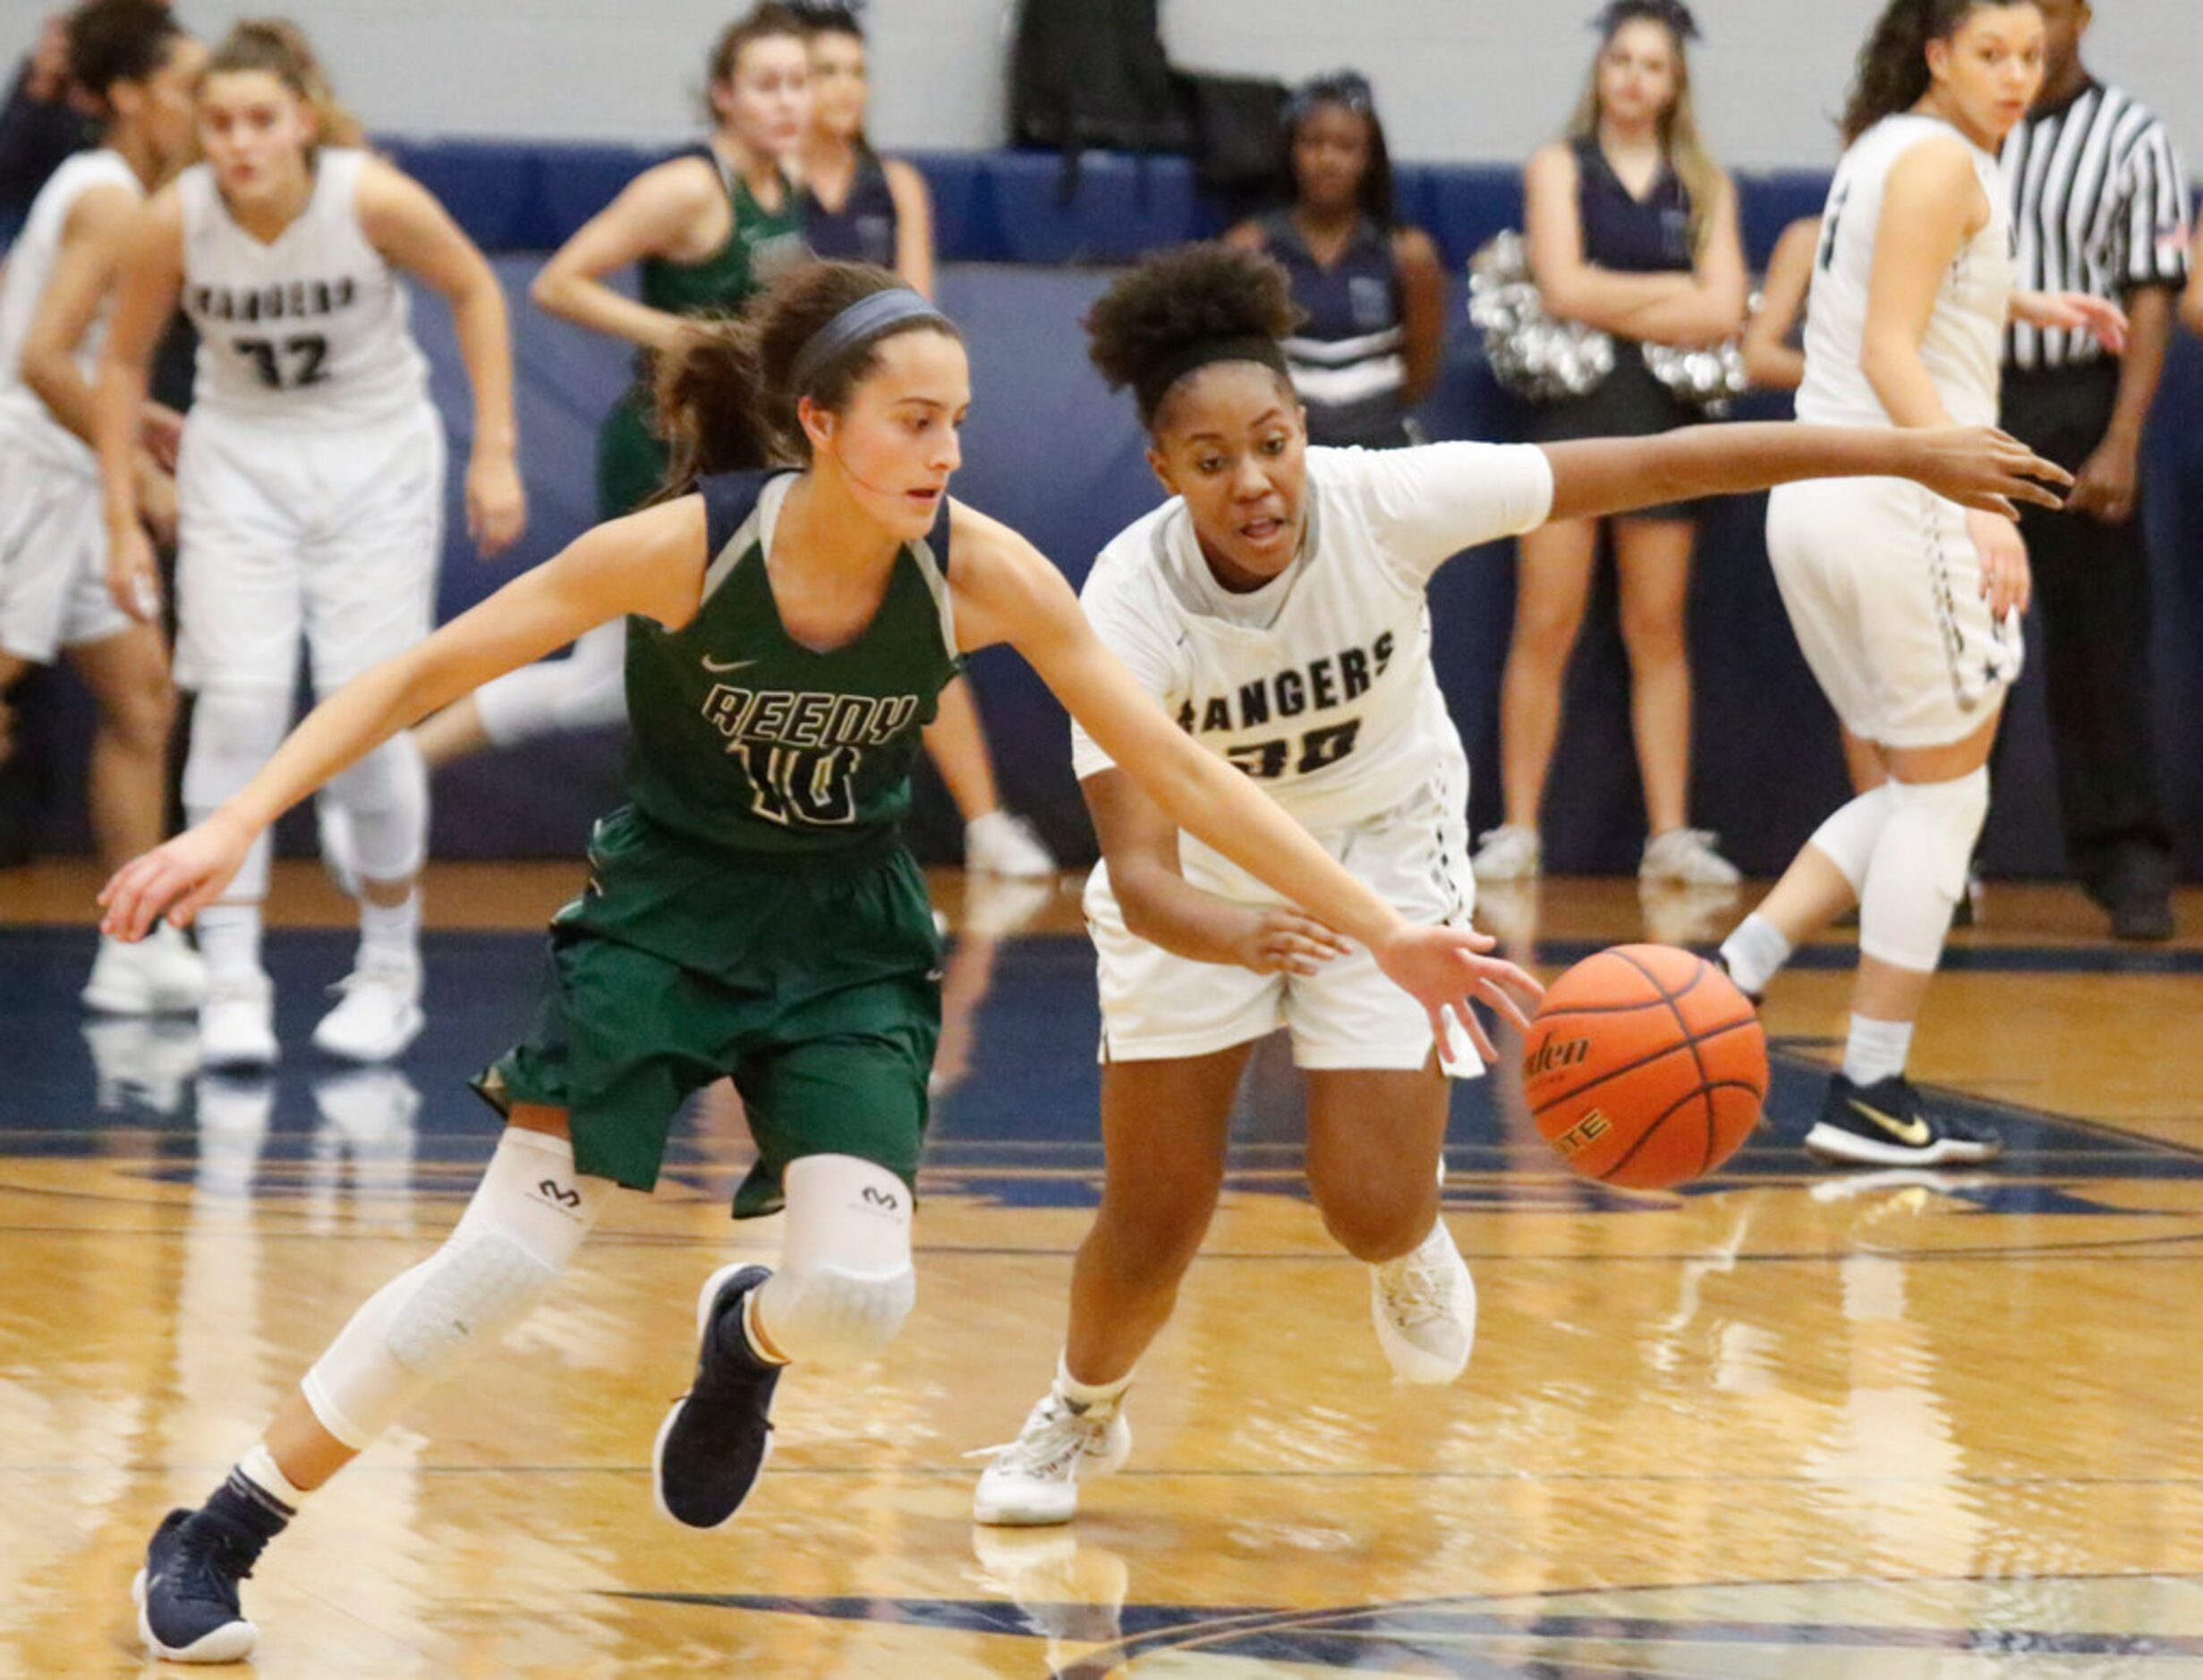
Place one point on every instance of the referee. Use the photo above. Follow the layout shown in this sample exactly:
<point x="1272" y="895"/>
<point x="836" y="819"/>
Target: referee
<point x="2100" y="205"/>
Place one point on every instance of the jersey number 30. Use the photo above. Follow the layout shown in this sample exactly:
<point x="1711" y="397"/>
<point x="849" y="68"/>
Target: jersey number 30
<point x="288" y="364"/>
<point x="1266" y="760"/>
<point x="800" y="789"/>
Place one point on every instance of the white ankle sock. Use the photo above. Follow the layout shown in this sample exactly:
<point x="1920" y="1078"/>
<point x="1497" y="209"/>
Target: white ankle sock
<point x="391" y="931"/>
<point x="1755" y="952"/>
<point x="1086" y="1396"/>
<point x="1876" y="1049"/>
<point x="260" y="1468"/>
<point x="229" y="938"/>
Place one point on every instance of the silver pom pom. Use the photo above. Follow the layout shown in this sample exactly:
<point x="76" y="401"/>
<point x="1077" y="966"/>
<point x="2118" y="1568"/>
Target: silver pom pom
<point x="1531" y="354"/>
<point x="1706" y="378"/>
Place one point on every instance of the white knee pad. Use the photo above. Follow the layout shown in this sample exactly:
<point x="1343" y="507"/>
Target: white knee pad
<point x="844" y="1285"/>
<point x="586" y="689"/>
<point x="528" y="1217"/>
<point x="234" y="731"/>
<point x="1918" y="871"/>
<point x="387" y="796"/>
<point x="1847" y="839"/>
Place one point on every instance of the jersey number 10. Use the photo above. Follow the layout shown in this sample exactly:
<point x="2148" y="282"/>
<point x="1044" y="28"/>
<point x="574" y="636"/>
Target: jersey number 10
<point x="800" y="789"/>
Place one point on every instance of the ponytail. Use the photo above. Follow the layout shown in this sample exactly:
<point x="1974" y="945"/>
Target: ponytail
<point x="726" y="395"/>
<point x="278" y="47"/>
<point x="709" y="397"/>
<point x="1893" y="72"/>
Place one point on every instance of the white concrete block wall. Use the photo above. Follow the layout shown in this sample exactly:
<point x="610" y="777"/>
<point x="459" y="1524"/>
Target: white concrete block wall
<point x="1475" y="81"/>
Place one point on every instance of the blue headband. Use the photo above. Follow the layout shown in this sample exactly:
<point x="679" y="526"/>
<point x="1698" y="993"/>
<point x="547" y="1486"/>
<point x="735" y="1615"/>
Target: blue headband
<point x="867" y="318"/>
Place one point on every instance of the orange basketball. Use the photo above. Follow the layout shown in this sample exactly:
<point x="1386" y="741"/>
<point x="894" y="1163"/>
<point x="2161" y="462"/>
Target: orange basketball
<point x="1645" y="1066"/>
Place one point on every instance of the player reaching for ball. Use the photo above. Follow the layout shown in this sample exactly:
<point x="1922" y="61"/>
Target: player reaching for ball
<point x="1906" y="606"/>
<point x="1274" y="606"/>
<point x="752" y="912"/>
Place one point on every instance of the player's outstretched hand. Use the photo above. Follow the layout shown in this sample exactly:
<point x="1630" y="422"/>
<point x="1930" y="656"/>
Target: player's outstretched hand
<point x="1445" y="968"/>
<point x="1983" y="468"/>
<point x="497" y="507"/>
<point x="2006" y="583"/>
<point x="1282" y="941"/>
<point x="176" y="880"/>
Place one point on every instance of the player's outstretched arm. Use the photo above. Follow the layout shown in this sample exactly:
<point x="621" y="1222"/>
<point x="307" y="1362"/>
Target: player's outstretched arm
<point x="649" y="562"/>
<point x="1007" y="592"/>
<point x="1975" y="466"/>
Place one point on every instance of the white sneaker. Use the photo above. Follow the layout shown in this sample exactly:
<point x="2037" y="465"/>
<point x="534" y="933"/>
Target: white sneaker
<point x="237" y="1022"/>
<point x="1033" y="1480"/>
<point x="1510" y="852"/>
<point x="379" y="1014"/>
<point x="1687" y="857"/>
<point x="160" y="975"/>
<point x="1424" y="1305"/>
<point x="999" y="844"/>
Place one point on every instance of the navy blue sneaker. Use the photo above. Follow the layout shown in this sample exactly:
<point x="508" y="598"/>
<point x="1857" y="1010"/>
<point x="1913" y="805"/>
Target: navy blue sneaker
<point x="1886" y="1124"/>
<point x="187" y="1592"/>
<point x="715" y="1441"/>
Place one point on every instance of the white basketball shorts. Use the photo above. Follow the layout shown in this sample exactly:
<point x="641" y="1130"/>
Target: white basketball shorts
<point x="1156" y="1007"/>
<point x="1882" y="585"/>
<point x="334" y="533"/>
<point x="53" y="559"/>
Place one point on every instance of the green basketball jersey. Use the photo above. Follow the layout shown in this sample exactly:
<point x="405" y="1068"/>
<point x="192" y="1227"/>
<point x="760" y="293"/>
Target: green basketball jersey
<point x="745" y="740"/>
<point x="763" y="243"/>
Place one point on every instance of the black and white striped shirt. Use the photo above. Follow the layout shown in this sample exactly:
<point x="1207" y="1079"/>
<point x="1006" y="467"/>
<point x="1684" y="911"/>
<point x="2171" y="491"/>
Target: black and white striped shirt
<point x="2099" y="204"/>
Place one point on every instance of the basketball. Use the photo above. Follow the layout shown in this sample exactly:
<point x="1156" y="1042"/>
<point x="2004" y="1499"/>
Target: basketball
<point x="1644" y="1068"/>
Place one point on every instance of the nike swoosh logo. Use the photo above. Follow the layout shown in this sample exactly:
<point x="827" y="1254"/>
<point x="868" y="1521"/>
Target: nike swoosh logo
<point x="1913" y="1134"/>
<point x="720" y="667"/>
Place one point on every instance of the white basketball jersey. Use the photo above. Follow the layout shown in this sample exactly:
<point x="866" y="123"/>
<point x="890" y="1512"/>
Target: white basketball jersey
<point x="1318" y="684"/>
<point x="1962" y="348"/>
<point x="310" y="329"/>
<point x="30" y="271"/>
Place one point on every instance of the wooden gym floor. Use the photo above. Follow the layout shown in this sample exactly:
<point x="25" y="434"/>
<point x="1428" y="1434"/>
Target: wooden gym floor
<point x="1786" y="1423"/>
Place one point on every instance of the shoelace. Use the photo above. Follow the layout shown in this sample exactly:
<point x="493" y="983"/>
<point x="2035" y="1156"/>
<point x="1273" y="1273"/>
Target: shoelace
<point x="209" y="1562"/>
<point x="1419" y="1291"/>
<point x="1064" y="1437"/>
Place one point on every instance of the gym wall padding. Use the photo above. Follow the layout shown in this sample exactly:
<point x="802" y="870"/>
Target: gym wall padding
<point x="1052" y="453"/>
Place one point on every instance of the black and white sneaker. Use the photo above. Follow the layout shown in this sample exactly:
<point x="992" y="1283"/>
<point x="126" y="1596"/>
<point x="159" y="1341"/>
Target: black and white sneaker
<point x="715" y="1440"/>
<point x="187" y="1592"/>
<point x="1886" y="1124"/>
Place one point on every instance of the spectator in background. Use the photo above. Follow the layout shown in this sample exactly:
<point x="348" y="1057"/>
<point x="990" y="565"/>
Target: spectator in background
<point x="1632" y="230"/>
<point x="1368" y="284"/>
<point x="2100" y="203"/>
<point x="860" y="207"/>
<point x="41" y="125"/>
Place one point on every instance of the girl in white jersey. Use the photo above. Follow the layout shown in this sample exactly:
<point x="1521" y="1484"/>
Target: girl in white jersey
<point x="310" y="486"/>
<point x="1275" y="608"/>
<point x="1906" y="606"/>
<point x="135" y="60"/>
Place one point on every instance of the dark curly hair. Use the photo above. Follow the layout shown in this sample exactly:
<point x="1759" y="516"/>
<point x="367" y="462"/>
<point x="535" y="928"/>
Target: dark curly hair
<point x="119" y="41"/>
<point x="1893" y="66"/>
<point x="725" y="399"/>
<point x="1186" y="306"/>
